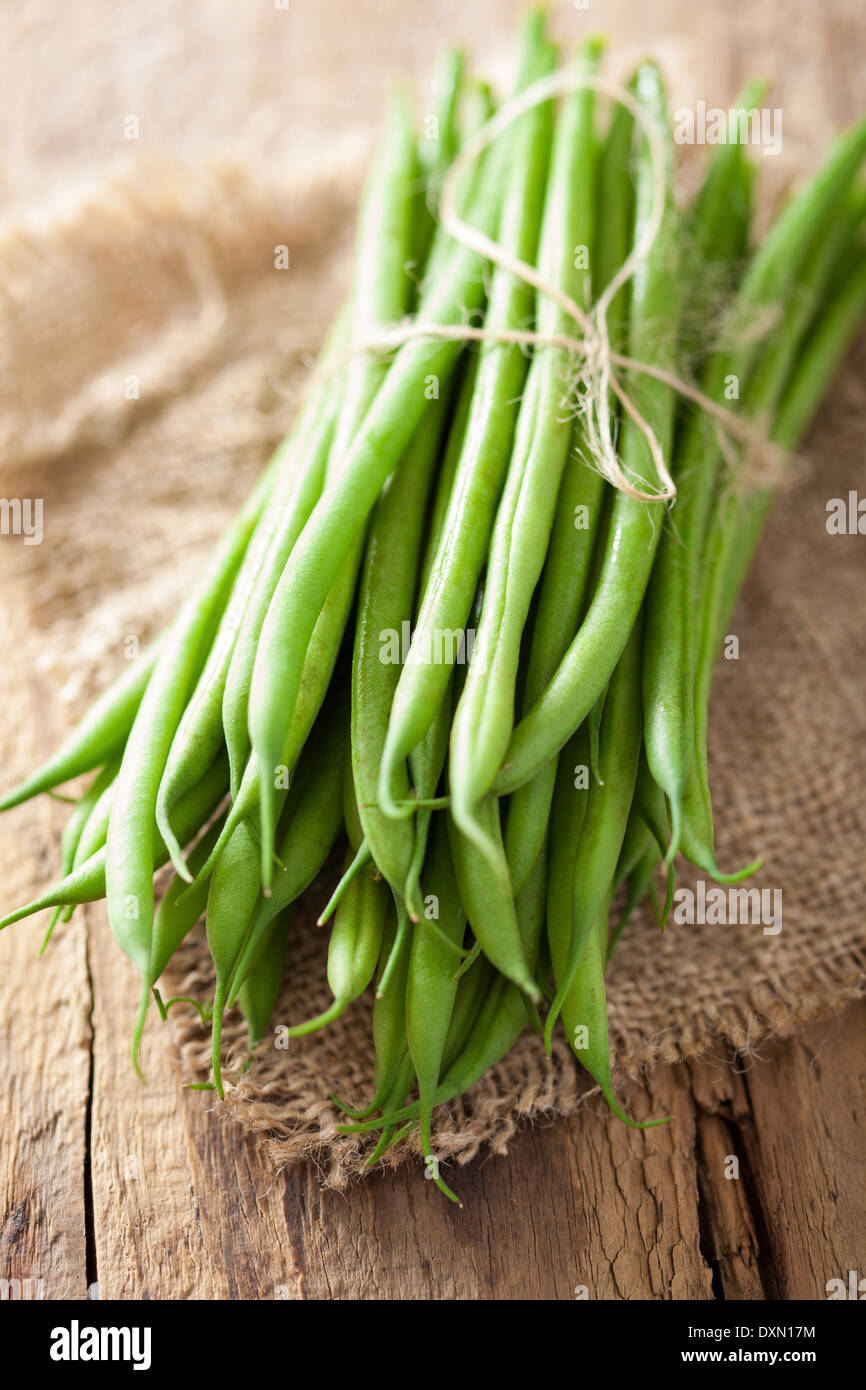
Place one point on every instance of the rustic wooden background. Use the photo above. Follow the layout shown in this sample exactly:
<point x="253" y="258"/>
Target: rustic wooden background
<point x="143" y="1191"/>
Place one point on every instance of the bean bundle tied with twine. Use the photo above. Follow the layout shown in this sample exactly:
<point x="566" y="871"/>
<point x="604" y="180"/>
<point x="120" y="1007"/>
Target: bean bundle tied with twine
<point x="592" y="353"/>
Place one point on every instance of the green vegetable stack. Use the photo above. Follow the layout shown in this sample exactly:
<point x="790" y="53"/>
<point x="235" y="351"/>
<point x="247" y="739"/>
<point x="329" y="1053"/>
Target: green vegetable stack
<point x="510" y="784"/>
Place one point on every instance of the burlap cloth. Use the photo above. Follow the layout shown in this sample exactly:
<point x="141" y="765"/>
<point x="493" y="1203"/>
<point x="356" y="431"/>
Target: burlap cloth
<point x="158" y="277"/>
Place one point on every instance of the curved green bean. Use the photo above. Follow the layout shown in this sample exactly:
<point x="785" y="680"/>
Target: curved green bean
<point x="485" y="712"/>
<point x="431" y="991"/>
<point x="584" y="1015"/>
<point x="308" y="828"/>
<point x="602" y="824"/>
<point x="635" y="526"/>
<point x="86" y="884"/>
<point x="174" y="920"/>
<point x="385" y="603"/>
<point x="130" y="846"/>
<point x="717" y="227"/>
<point x="260" y="990"/>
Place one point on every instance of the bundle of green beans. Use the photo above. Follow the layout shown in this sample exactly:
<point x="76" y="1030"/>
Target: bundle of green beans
<point x="502" y="815"/>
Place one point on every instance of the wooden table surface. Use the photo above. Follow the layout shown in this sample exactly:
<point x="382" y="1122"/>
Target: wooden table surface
<point x="146" y="1192"/>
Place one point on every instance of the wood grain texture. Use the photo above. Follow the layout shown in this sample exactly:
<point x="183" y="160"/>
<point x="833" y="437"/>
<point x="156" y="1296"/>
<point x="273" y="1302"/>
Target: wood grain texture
<point x="45" y="1056"/>
<point x="181" y="1205"/>
<point x="45" y="1034"/>
<point x="806" y="1160"/>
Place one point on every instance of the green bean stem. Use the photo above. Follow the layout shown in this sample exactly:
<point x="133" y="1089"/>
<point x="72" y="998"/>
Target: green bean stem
<point x="98" y="737"/>
<point x="86" y="884"/>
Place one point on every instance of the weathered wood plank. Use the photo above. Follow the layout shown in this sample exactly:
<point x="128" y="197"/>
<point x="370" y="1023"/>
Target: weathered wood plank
<point x="164" y="1189"/>
<point x="727" y="1222"/>
<point x="804" y="1149"/>
<point x="45" y="1035"/>
<point x="185" y="1207"/>
<point x="45" y="1060"/>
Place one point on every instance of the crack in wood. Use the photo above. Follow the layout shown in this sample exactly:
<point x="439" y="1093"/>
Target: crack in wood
<point x="716" y="1245"/>
<point x="91" y="1269"/>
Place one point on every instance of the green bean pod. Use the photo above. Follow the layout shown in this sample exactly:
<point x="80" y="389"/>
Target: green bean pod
<point x="385" y="605"/>
<point x="130" y="847"/>
<point x="231" y="902"/>
<point x="437" y="147"/>
<point x="584" y="1016"/>
<point x="615" y="196"/>
<point x="640" y="882"/>
<point x="389" y="1013"/>
<point x="570" y="798"/>
<point x="496" y="1026"/>
<point x="608" y="803"/>
<point x="431" y="989"/>
<point x="74" y="831"/>
<point x="651" y="805"/>
<point x="95" y="831"/>
<point x="635" y="526"/>
<point x="716" y="235"/>
<point x="489" y="904"/>
<point x="814" y="232"/>
<point x="354" y="948"/>
<point x="497" y="383"/>
<point x="341" y="512"/>
<point x="401" y="1085"/>
<point x="312" y="443"/>
<point x="393" y="1065"/>
<point x="472" y="990"/>
<point x="636" y="842"/>
<point x="86" y="884"/>
<point x="427" y="758"/>
<point x="91" y="839"/>
<point x="717" y="227"/>
<point x="673" y="602"/>
<point x="577" y="526"/>
<point x="80" y="814"/>
<point x="381" y="285"/>
<point x="381" y="295"/>
<point x="381" y="288"/>
<point x="733" y="540"/>
<point x="261" y="988"/>
<point x="564" y="586"/>
<point x="310" y="823"/>
<point x="173" y="920"/>
<point x="484" y="717"/>
<point x="199" y="735"/>
<point x="316" y="678"/>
